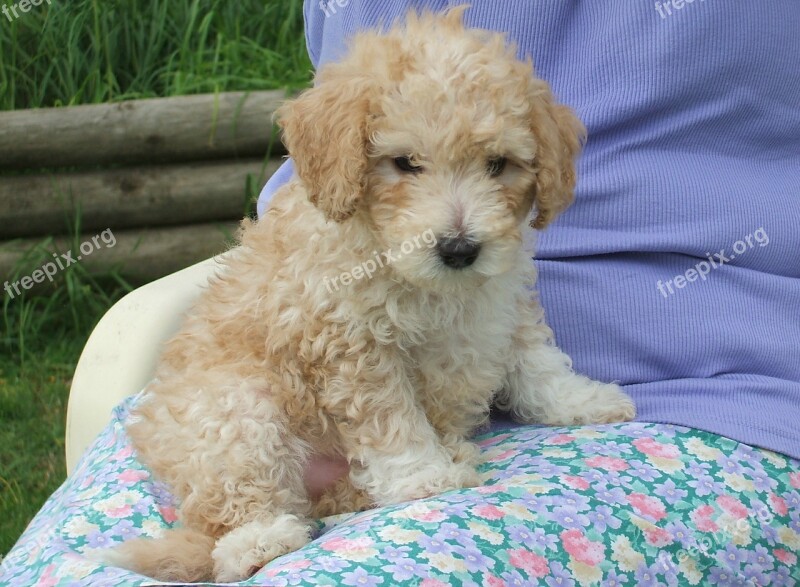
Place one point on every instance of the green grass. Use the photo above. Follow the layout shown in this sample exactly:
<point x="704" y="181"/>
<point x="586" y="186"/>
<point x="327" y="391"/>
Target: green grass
<point x="32" y="404"/>
<point x="91" y="51"/>
<point x="42" y="337"/>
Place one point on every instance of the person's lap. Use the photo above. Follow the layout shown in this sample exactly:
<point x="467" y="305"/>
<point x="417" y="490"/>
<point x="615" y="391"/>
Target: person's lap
<point x="634" y="503"/>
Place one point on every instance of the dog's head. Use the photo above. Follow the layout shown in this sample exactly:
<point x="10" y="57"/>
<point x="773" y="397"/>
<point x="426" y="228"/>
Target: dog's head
<point x="442" y="141"/>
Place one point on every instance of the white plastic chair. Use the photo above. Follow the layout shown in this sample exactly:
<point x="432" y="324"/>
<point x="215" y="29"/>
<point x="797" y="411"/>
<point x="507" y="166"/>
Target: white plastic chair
<point x="120" y="356"/>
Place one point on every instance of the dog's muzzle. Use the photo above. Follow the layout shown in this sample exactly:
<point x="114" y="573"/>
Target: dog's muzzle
<point x="458" y="252"/>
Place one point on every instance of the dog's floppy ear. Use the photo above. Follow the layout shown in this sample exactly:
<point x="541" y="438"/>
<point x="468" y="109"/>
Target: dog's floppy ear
<point x="560" y="135"/>
<point x="325" y="131"/>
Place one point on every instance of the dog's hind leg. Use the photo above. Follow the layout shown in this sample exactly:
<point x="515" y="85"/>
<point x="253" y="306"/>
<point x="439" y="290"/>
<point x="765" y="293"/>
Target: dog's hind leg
<point x="243" y="551"/>
<point x="341" y="498"/>
<point x="261" y="494"/>
<point x="180" y="554"/>
<point x="266" y="528"/>
<point x="541" y="386"/>
<point x="225" y="448"/>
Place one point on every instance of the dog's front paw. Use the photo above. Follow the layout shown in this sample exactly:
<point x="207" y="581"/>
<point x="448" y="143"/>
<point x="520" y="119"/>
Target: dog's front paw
<point x="420" y="481"/>
<point x="436" y="480"/>
<point x="608" y="404"/>
<point x="462" y="451"/>
<point x="577" y="400"/>
<point x="243" y="551"/>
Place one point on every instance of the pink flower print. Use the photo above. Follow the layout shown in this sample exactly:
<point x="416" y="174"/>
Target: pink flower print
<point x="489" y="512"/>
<point x="492" y="440"/>
<point x="169" y="514"/>
<point x="576" y="482"/>
<point x="778" y="504"/>
<point x="658" y="537"/>
<point x="647" y="506"/>
<point x="346" y="544"/>
<point x="733" y="506"/>
<point x="653" y="448"/>
<point x="581" y="548"/>
<point x="560" y="439"/>
<point x="122" y="511"/>
<point x="124" y="453"/>
<point x="530" y="562"/>
<point x="489" y="489"/>
<point x="133" y="476"/>
<point x="47" y="579"/>
<point x="430" y="516"/>
<point x="794" y="479"/>
<point x="702" y="519"/>
<point x="785" y="556"/>
<point x="335" y="544"/>
<point x="607" y="463"/>
<point x="290" y="566"/>
<point x="506" y="454"/>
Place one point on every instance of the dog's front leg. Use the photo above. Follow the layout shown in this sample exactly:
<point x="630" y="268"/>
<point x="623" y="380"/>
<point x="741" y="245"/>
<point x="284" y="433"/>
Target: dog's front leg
<point x="541" y="386"/>
<point x="394" y="452"/>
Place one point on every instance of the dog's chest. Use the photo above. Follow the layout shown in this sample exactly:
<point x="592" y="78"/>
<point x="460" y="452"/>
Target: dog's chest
<point x="460" y="344"/>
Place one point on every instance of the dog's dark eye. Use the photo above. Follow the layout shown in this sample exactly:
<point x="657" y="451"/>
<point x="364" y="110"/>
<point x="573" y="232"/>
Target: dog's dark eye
<point x="404" y="164"/>
<point x="496" y="166"/>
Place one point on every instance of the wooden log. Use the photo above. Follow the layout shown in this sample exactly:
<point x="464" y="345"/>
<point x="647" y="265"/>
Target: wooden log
<point x="138" y="255"/>
<point x="183" y="128"/>
<point x="35" y="205"/>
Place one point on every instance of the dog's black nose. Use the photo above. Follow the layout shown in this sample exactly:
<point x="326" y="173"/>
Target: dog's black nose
<point x="458" y="252"/>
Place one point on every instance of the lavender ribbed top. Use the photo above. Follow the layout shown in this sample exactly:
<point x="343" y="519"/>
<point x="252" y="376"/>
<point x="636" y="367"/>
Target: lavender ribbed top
<point x="677" y="270"/>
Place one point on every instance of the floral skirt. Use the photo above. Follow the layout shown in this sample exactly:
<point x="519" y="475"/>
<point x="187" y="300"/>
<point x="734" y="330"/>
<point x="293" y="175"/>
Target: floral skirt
<point x="627" y="504"/>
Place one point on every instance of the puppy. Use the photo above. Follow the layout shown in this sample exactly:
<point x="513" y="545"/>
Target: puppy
<point x="377" y="309"/>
